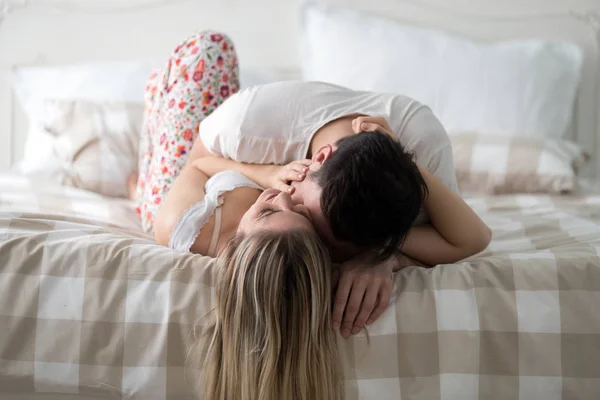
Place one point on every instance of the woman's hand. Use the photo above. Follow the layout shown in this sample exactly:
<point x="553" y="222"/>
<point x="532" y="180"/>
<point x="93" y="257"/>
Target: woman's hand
<point x="372" y="124"/>
<point x="280" y="176"/>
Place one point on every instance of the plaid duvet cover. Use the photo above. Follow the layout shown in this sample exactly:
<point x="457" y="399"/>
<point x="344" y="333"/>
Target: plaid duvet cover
<point x="89" y="305"/>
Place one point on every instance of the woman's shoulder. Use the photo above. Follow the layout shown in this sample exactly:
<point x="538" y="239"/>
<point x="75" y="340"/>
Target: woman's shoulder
<point x="236" y="192"/>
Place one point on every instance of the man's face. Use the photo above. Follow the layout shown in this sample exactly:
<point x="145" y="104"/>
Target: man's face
<point x="308" y="192"/>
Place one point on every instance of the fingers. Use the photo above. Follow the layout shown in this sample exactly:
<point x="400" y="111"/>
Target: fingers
<point x="300" y="165"/>
<point x="353" y="306"/>
<point x="335" y="278"/>
<point x="368" y="305"/>
<point x="284" y="187"/>
<point x="364" y="124"/>
<point x="369" y="124"/>
<point x="291" y="175"/>
<point x="295" y="171"/>
<point x="370" y="127"/>
<point x="384" y="300"/>
<point x="341" y="298"/>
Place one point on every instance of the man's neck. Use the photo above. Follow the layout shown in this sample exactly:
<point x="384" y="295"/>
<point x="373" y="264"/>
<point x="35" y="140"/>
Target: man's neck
<point x="330" y="133"/>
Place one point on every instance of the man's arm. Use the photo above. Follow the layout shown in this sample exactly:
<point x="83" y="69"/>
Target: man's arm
<point x="455" y="233"/>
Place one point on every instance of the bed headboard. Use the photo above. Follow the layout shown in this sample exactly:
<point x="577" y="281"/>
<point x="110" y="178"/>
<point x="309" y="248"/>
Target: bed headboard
<point x="43" y="32"/>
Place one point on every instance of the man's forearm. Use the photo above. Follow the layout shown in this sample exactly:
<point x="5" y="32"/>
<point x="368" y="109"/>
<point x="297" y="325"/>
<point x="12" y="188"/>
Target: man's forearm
<point x="401" y="260"/>
<point x="455" y="233"/>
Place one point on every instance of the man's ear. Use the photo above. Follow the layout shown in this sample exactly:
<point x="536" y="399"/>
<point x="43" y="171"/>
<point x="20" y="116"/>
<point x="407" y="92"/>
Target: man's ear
<point x="322" y="155"/>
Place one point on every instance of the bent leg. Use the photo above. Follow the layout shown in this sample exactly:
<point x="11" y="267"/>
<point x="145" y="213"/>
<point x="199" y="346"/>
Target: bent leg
<point x="145" y="146"/>
<point x="201" y="73"/>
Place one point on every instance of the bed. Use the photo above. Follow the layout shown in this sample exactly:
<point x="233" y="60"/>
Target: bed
<point x="91" y="307"/>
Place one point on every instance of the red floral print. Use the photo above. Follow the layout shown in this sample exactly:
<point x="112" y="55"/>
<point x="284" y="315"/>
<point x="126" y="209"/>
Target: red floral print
<point x="225" y="91"/>
<point x="168" y="132"/>
<point x="187" y="135"/>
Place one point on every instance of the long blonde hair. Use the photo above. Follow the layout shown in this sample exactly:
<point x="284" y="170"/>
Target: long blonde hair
<point x="269" y="336"/>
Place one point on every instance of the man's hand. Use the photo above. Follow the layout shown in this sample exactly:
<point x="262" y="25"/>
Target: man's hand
<point x="372" y="124"/>
<point x="363" y="294"/>
<point x="280" y="176"/>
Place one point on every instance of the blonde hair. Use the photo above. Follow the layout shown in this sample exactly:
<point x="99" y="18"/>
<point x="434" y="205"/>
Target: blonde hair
<point x="269" y="336"/>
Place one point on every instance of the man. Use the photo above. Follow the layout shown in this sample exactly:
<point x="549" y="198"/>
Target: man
<point x="375" y="161"/>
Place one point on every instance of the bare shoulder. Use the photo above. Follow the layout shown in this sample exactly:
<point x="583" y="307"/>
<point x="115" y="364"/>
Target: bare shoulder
<point x="235" y="203"/>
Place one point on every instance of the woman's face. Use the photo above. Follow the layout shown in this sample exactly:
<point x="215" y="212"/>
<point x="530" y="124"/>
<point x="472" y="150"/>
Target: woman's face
<point x="275" y="211"/>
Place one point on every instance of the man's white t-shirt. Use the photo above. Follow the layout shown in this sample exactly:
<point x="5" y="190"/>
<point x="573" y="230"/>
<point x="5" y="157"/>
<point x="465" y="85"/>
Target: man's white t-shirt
<point x="274" y="124"/>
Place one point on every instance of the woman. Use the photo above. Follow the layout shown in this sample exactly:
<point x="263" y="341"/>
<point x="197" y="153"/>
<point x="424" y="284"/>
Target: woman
<point x="269" y="336"/>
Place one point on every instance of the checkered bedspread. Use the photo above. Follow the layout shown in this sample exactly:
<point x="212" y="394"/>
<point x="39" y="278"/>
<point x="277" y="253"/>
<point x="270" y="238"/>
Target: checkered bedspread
<point x="88" y="304"/>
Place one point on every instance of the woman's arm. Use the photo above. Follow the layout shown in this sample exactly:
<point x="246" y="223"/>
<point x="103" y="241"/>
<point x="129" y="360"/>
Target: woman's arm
<point x="211" y="164"/>
<point x="267" y="176"/>
<point x="455" y="233"/>
<point x="187" y="190"/>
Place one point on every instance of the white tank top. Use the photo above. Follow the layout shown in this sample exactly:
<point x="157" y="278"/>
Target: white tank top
<point x="192" y="220"/>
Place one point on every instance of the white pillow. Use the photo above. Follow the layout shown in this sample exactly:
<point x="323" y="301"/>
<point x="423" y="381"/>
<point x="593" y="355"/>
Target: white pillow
<point x="518" y="87"/>
<point x="117" y="81"/>
<point x="90" y="145"/>
<point x="97" y="82"/>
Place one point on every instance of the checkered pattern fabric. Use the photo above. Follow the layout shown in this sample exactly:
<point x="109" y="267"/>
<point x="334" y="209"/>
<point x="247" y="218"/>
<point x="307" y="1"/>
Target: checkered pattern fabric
<point x="90" y="305"/>
<point x="493" y="164"/>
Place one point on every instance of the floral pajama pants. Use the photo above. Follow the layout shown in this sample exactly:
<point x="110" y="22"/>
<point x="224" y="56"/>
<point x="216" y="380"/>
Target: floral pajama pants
<point x="201" y="73"/>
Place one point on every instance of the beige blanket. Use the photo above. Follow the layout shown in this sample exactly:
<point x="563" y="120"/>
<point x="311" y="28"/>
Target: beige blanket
<point x="88" y="304"/>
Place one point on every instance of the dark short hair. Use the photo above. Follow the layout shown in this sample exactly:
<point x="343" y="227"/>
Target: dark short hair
<point x="372" y="192"/>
